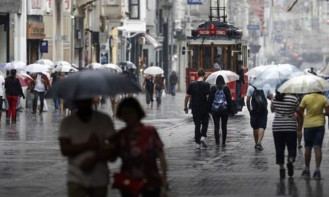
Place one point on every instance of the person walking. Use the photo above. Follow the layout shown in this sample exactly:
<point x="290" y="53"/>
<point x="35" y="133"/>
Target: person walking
<point x="220" y="103"/>
<point x="149" y="88"/>
<point x="13" y="92"/>
<point x="159" y="83"/>
<point x="42" y="84"/>
<point x="139" y="147"/>
<point x="314" y="121"/>
<point x="82" y="137"/>
<point x="257" y="107"/>
<point x="197" y="93"/>
<point x="2" y="83"/>
<point x="54" y="77"/>
<point x="173" y="81"/>
<point x="285" y="129"/>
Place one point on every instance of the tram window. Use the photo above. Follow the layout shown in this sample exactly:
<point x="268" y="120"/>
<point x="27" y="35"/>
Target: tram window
<point x="218" y="55"/>
<point x="195" y="63"/>
<point x="206" y="58"/>
<point x="228" y="65"/>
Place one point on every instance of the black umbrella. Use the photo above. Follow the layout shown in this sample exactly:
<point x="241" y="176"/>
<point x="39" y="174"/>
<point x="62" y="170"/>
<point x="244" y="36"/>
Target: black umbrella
<point x="90" y="83"/>
<point x="127" y="65"/>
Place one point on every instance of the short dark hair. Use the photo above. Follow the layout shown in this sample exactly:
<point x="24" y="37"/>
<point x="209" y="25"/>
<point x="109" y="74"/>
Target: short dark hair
<point x="13" y="72"/>
<point x="201" y="72"/>
<point x="131" y="103"/>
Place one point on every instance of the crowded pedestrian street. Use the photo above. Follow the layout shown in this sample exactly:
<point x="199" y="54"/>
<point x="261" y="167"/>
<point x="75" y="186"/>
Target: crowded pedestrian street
<point x="31" y="163"/>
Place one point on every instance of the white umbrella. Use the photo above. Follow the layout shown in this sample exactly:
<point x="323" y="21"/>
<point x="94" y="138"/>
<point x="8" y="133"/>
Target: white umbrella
<point x="62" y="63"/>
<point x="323" y="72"/>
<point x="95" y="66"/>
<point x="65" y="68"/>
<point x="36" y="68"/>
<point x="304" y="84"/>
<point x="47" y="62"/>
<point x="18" y="65"/>
<point x="228" y="76"/>
<point x="254" y="72"/>
<point x="153" y="70"/>
<point x="114" y="67"/>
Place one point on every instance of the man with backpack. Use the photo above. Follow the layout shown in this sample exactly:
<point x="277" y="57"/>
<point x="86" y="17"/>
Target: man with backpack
<point x="257" y="107"/>
<point x="197" y="94"/>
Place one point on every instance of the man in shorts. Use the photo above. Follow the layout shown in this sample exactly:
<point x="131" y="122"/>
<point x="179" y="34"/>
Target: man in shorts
<point x="258" y="119"/>
<point x="314" y="122"/>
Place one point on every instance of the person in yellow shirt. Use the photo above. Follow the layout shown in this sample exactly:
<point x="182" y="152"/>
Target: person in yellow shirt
<point x="314" y="121"/>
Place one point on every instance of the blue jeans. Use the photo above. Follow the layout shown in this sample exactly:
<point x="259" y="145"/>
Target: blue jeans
<point x="35" y="100"/>
<point x="313" y="137"/>
<point x="56" y="103"/>
<point x="173" y="89"/>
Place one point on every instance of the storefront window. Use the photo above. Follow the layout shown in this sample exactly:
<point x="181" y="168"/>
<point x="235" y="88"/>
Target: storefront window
<point x="134" y="9"/>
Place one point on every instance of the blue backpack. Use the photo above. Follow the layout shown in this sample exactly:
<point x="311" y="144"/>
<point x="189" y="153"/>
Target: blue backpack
<point x="219" y="104"/>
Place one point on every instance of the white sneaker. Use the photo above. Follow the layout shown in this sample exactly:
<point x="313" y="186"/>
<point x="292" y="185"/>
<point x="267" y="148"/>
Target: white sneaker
<point x="203" y="142"/>
<point x="197" y="146"/>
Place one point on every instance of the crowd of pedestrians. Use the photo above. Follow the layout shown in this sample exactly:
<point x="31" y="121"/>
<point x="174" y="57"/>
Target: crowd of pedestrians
<point x="293" y="112"/>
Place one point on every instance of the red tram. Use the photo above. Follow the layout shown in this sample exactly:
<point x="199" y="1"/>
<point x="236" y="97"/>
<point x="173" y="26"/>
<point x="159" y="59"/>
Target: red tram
<point x="221" y="43"/>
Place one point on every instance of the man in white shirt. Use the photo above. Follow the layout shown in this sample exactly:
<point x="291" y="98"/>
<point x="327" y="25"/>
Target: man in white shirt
<point x="82" y="137"/>
<point x="41" y="85"/>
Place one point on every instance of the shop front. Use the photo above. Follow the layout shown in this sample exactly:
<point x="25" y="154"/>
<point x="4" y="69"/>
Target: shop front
<point x="35" y="33"/>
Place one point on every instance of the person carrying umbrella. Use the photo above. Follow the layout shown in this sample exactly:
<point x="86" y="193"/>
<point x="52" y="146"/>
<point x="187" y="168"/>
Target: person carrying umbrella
<point x="314" y="122"/>
<point x="13" y="91"/>
<point x="41" y="85"/>
<point x="159" y="85"/>
<point x="285" y="129"/>
<point x="257" y="107"/>
<point x="220" y="103"/>
<point x="149" y="87"/>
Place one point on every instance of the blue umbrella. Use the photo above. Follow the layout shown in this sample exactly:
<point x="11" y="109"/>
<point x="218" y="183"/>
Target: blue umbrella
<point x="276" y="75"/>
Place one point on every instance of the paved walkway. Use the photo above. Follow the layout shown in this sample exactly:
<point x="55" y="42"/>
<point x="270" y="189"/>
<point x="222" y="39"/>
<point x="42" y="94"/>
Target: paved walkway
<point x="31" y="165"/>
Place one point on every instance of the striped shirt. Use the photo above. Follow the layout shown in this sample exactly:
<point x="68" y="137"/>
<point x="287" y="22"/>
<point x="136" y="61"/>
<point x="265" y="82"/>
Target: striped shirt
<point x="284" y="119"/>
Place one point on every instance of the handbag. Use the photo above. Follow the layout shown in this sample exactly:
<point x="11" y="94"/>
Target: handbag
<point x="128" y="184"/>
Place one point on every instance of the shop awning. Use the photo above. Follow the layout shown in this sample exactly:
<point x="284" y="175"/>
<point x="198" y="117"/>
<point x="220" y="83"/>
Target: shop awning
<point x="157" y="45"/>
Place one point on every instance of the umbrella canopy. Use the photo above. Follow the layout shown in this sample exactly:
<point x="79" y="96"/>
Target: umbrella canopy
<point x="275" y="75"/>
<point x="114" y="67"/>
<point x="90" y="83"/>
<point x="65" y="68"/>
<point x="95" y="66"/>
<point x="254" y="72"/>
<point x="323" y="72"/>
<point x="153" y="70"/>
<point x="24" y="79"/>
<point x="47" y="62"/>
<point x="304" y="84"/>
<point x="18" y="65"/>
<point x="127" y="65"/>
<point x="228" y="76"/>
<point x="36" y="68"/>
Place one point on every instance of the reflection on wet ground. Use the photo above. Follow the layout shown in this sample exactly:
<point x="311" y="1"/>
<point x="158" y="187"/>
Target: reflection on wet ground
<point x="31" y="164"/>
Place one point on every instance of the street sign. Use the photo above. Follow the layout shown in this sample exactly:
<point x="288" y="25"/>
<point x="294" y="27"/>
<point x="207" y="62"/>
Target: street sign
<point x="44" y="46"/>
<point x="253" y="27"/>
<point x="195" y="2"/>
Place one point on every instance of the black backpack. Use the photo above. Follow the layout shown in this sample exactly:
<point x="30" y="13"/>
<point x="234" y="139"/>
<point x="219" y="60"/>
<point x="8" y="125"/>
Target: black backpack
<point x="258" y="100"/>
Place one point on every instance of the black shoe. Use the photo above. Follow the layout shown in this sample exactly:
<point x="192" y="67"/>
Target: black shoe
<point x="33" y="112"/>
<point x="7" y="121"/>
<point x="300" y="146"/>
<point x="282" y="173"/>
<point x="223" y="145"/>
<point x="13" y="122"/>
<point x="290" y="167"/>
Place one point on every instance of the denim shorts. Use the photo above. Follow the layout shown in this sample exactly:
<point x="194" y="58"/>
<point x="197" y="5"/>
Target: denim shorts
<point x="313" y="137"/>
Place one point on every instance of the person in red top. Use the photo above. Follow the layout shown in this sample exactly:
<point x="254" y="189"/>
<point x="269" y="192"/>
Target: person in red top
<point x="139" y="147"/>
<point x="13" y="92"/>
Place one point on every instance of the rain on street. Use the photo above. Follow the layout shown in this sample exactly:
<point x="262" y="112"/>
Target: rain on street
<point x="31" y="164"/>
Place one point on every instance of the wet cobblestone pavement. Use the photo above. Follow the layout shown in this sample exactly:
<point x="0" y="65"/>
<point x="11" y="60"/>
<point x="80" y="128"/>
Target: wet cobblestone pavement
<point x="31" y="164"/>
